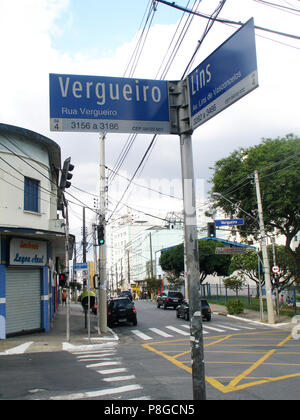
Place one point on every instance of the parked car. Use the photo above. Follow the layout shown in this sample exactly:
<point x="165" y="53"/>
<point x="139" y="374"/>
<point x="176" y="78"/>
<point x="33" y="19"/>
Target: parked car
<point x="183" y="311"/>
<point x="126" y="293"/>
<point x="120" y="310"/>
<point x="169" y="299"/>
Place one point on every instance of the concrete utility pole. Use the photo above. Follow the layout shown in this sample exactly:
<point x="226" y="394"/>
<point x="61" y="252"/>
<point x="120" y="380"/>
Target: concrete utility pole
<point x="102" y="252"/>
<point x="271" y="317"/>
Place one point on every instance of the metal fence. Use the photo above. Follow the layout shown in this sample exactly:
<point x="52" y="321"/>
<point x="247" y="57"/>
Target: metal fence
<point x="287" y="302"/>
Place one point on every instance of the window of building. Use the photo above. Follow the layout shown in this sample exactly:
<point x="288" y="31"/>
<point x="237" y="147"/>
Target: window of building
<point x="31" y="194"/>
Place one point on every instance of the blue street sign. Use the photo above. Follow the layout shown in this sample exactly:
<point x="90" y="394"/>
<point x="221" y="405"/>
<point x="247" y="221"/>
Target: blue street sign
<point x="229" y="222"/>
<point x="224" y="77"/>
<point x="81" y="266"/>
<point x="110" y="104"/>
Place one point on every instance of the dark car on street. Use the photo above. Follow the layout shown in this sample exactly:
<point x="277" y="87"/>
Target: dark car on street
<point x="121" y="310"/>
<point x="126" y="293"/>
<point x="182" y="310"/>
<point x="169" y="299"/>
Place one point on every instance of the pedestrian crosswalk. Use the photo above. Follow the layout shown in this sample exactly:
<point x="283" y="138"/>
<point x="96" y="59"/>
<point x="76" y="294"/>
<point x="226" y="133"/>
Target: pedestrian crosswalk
<point x="115" y="379"/>
<point x="170" y="331"/>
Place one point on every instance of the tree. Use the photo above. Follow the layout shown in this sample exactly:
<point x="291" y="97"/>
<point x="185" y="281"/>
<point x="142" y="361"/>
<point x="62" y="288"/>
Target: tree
<point x="277" y="161"/>
<point x="153" y="285"/>
<point x="175" y="283"/>
<point x="172" y="260"/>
<point x="246" y="264"/>
<point x="234" y="283"/>
<point x="288" y="271"/>
<point x="210" y="262"/>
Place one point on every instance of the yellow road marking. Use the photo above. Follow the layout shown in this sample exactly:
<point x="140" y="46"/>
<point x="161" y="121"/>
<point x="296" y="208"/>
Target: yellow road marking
<point x="235" y="383"/>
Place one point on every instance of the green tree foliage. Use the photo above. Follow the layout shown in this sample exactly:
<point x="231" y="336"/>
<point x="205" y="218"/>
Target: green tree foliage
<point x="278" y="164"/>
<point x="247" y="265"/>
<point x="172" y="260"/>
<point x="234" y="283"/>
<point x="153" y="285"/>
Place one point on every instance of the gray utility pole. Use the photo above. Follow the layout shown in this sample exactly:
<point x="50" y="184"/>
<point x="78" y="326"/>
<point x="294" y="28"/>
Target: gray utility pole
<point x="271" y="317"/>
<point x="102" y="249"/>
<point x="67" y="268"/>
<point x="180" y="124"/>
<point x="128" y="268"/>
<point x="83" y="236"/>
<point x="151" y="260"/>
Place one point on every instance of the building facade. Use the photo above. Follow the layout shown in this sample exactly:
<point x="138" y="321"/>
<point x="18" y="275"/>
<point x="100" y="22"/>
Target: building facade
<point x="32" y="236"/>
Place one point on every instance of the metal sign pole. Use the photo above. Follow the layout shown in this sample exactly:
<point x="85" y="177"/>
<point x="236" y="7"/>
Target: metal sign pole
<point x="180" y="122"/>
<point x="192" y="266"/>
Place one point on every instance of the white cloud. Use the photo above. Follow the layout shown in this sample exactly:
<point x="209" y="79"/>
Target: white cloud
<point x="27" y="31"/>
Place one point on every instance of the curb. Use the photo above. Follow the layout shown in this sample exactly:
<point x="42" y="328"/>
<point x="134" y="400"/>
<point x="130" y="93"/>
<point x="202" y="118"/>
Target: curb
<point x="239" y="318"/>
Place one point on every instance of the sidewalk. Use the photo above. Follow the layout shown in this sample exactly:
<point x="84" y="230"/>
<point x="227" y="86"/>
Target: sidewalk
<point x="254" y="316"/>
<point x="56" y="339"/>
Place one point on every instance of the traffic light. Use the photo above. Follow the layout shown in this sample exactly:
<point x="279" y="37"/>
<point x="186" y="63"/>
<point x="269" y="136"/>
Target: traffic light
<point x="66" y="175"/>
<point x="62" y="280"/>
<point x="211" y="230"/>
<point x="101" y="234"/>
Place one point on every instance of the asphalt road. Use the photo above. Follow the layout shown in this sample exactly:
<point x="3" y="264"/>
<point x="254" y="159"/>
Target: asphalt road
<point x="151" y="361"/>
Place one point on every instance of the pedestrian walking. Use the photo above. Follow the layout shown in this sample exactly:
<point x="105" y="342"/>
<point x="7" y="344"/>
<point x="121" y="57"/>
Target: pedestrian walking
<point x="64" y="297"/>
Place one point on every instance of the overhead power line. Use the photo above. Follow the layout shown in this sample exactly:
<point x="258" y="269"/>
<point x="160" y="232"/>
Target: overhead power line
<point x="277" y="6"/>
<point x="232" y="22"/>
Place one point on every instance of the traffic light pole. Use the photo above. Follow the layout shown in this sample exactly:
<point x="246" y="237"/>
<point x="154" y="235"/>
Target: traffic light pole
<point x="102" y="312"/>
<point x="67" y="268"/>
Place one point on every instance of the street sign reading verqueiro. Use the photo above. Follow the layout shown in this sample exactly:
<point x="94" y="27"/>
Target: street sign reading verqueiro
<point x="112" y="104"/>
<point x="224" y="77"/>
<point x="229" y="222"/>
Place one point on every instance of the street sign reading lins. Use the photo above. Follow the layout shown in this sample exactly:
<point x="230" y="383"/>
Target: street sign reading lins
<point x="224" y="77"/>
<point x="109" y="104"/>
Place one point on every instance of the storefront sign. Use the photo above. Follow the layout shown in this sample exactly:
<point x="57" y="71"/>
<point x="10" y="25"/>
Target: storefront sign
<point x="27" y="252"/>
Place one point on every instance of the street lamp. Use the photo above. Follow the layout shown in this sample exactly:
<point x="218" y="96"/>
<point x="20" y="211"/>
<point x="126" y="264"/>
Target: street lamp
<point x="266" y="265"/>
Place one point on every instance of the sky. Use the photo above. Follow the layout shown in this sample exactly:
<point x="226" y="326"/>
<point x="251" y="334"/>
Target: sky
<point x="97" y="37"/>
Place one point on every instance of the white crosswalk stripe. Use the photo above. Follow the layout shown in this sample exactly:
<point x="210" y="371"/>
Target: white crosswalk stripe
<point x="243" y="327"/>
<point x="181" y="330"/>
<point x="97" y="393"/>
<point x="160" y="332"/>
<point x="141" y="335"/>
<point x="111" y="371"/>
<point x="119" y="378"/>
<point x="188" y="327"/>
<point x="212" y="329"/>
<point x="227" y="327"/>
<point x="109" y="366"/>
<point x="177" y="330"/>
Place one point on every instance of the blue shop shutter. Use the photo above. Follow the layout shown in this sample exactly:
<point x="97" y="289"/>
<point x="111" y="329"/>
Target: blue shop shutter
<point x="31" y="195"/>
